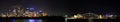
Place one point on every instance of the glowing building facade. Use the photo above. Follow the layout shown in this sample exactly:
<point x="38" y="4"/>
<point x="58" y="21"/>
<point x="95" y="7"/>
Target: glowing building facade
<point x="20" y="12"/>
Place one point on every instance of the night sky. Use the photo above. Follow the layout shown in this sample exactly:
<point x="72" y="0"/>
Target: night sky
<point x="65" y="7"/>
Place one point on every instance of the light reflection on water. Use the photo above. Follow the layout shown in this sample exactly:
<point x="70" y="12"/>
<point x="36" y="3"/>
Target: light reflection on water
<point x="13" y="20"/>
<point x="34" y="20"/>
<point x="27" y="20"/>
<point x="52" y="20"/>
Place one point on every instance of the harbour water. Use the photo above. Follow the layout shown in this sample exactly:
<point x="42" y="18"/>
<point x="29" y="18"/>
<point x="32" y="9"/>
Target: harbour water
<point x="56" y="19"/>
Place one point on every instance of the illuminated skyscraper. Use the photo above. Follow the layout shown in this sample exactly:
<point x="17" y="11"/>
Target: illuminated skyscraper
<point x="17" y="10"/>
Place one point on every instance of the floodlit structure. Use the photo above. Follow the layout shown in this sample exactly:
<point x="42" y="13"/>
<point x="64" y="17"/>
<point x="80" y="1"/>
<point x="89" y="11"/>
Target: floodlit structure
<point x="101" y="17"/>
<point x="90" y="15"/>
<point x="78" y="16"/>
<point x="3" y="15"/>
<point x="111" y="16"/>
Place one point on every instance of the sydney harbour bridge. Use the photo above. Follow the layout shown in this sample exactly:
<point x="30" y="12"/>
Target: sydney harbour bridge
<point x="91" y="16"/>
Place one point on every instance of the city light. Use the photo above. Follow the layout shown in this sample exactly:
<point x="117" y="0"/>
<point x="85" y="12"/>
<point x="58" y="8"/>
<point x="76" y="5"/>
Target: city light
<point x="100" y="17"/>
<point x="3" y="15"/>
<point x="90" y="16"/>
<point x="14" y="11"/>
<point x="31" y="12"/>
<point x="109" y="15"/>
<point x="18" y="12"/>
<point x="31" y="8"/>
<point x="44" y="14"/>
<point x="40" y="10"/>
<point x="75" y="16"/>
<point x="78" y="16"/>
